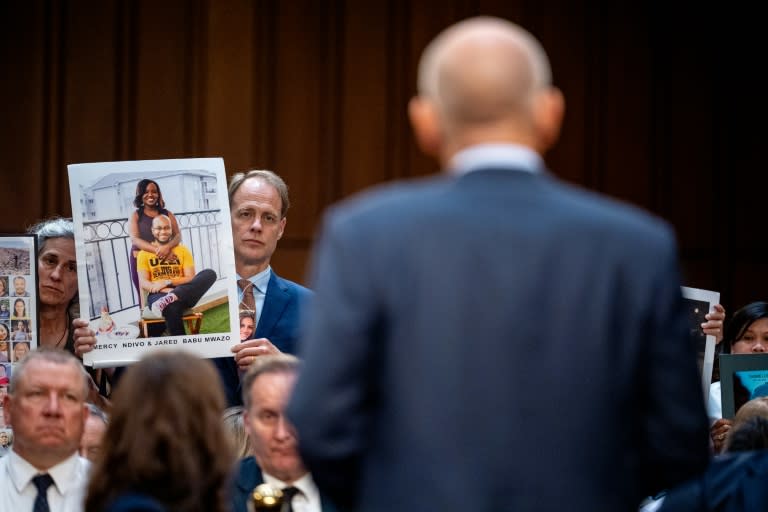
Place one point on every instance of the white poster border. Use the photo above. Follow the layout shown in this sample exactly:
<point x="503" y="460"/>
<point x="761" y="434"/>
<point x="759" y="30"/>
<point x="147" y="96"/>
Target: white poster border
<point x="711" y="297"/>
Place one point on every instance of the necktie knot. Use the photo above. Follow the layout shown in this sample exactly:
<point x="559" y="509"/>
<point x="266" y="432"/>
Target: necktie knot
<point x="288" y="494"/>
<point x="42" y="482"/>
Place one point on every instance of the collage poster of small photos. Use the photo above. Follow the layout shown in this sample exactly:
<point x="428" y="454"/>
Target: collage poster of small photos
<point x="18" y="313"/>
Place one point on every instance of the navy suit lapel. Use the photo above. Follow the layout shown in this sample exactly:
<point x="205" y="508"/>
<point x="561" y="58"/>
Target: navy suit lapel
<point x="275" y="301"/>
<point x="249" y="475"/>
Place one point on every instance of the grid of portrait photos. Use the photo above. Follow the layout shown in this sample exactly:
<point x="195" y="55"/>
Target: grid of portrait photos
<point x="18" y="313"/>
<point x="18" y="292"/>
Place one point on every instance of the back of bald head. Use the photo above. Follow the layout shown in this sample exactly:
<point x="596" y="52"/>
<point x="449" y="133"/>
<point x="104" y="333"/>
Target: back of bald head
<point x="482" y="70"/>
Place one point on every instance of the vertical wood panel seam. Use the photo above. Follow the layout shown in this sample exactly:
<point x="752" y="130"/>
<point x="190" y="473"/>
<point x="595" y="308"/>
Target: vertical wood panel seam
<point x="188" y="111"/>
<point x="594" y="122"/>
<point x="118" y="128"/>
<point x="339" y="95"/>
<point x="329" y="168"/>
<point x="131" y="120"/>
<point x="264" y="73"/>
<point x="257" y="68"/>
<point x="53" y="196"/>
<point x="391" y="95"/>
<point x="657" y="126"/>
<point x="201" y="53"/>
<point x="46" y="99"/>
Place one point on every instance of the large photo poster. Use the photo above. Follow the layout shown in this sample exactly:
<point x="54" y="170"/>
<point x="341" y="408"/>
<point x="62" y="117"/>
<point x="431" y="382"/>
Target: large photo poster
<point x="698" y="303"/>
<point x="155" y="257"/>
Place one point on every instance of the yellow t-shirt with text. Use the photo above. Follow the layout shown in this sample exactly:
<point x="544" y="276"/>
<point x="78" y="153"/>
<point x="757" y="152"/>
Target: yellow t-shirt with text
<point x="170" y="268"/>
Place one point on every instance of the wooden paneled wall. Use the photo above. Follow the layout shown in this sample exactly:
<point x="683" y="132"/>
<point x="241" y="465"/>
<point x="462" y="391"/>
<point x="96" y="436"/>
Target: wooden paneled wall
<point x="317" y="91"/>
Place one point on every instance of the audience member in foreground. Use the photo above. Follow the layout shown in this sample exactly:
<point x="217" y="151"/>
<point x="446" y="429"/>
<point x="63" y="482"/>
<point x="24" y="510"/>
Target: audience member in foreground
<point x="493" y="338"/>
<point x="45" y="406"/>
<point x="275" y="461"/>
<point x="735" y="480"/>
<point x="165" y="448"/>
<point x="93" y="434"/>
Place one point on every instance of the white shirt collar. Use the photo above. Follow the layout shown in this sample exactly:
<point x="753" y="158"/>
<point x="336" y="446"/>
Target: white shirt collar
<point x="483" y="156"/>
<point x="63" y="473"/>
<point x="305" y="484"/>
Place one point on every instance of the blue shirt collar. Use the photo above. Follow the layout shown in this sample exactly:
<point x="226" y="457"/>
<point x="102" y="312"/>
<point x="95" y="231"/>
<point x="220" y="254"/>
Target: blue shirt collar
<point x="483" y="156"/>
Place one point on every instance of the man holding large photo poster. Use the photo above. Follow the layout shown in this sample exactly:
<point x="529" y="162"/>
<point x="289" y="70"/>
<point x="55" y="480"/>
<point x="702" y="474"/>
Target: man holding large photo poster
<point x="258" y="203"/>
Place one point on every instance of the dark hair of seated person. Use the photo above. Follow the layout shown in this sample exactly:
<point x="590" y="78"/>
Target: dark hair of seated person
<point x="750" y="435"/>
<point x="165" y="440"/>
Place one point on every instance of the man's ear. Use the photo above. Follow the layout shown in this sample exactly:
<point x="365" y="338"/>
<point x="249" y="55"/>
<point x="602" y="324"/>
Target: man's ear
<point x="549" y="110"/>
<point x="425" y="122"/>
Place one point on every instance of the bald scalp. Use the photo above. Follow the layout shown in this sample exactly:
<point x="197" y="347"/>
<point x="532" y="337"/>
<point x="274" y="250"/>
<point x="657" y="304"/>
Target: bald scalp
<point x="482" y="70"/>
<point x="161" y="219"/>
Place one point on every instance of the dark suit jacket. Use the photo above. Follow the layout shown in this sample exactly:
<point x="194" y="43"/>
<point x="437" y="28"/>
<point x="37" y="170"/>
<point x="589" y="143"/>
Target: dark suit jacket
<point x="734" y="482"/>
<point x="133" y="502"/>
<point x="247" y="478"/>
<point x="496" y="341"/>
<point x="279" y="322"/>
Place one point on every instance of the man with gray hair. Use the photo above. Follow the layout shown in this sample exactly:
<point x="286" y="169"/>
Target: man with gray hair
<point x="275" y="458"/>
<point x="93" y="433"/>
<point x="45" y="407"/>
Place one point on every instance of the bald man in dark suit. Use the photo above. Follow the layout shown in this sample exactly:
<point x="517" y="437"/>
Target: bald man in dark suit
<point x="492" y="338"/>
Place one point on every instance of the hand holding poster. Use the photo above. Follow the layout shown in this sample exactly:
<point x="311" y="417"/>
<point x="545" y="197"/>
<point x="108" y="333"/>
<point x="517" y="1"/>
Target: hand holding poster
<point x="155" y="259"/>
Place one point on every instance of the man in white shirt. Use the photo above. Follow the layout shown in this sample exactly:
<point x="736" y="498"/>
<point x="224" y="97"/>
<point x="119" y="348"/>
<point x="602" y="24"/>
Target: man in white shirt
<point x="45" y="406"/>
<point x="275" y="458"/>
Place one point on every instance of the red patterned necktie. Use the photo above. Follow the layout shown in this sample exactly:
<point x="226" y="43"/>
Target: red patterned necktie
<point x="248" y="302"/>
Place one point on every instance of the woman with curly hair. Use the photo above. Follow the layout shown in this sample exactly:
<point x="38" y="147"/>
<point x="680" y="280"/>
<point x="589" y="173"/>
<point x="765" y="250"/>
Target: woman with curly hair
<point x="165" y="448"/>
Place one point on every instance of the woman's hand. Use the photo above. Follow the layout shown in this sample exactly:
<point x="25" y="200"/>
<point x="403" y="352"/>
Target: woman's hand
<point x="719" y="433"/>
<point x="163" y="251"/>
<point x="714" y="324"/>
<point x="84" y="338"/>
